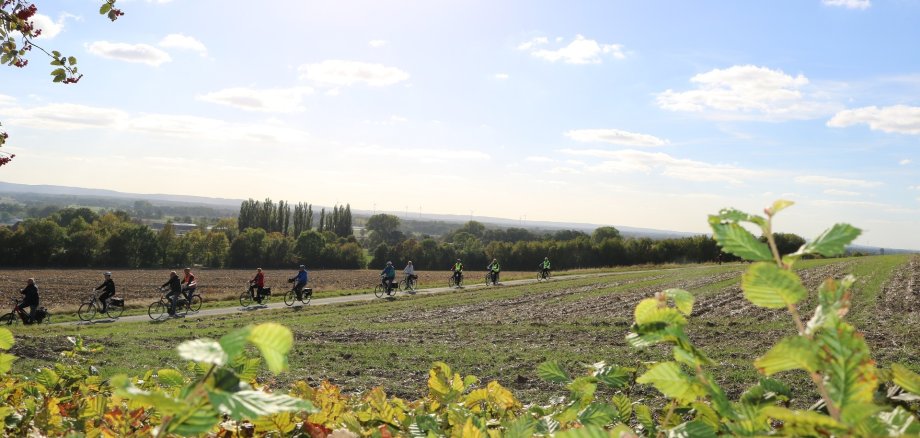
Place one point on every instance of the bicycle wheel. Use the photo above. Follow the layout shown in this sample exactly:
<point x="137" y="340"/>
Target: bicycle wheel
<point x="411" y="283"/>
<point x="114" y="311"/>
<point x="488" y="279"/>
<point x="306" y="297"/>
<point x="379" y="291"/>
<point x="450" y="281"/>
<point x="156" y="310"/>
<point x="289" y="298"/>
<point x="245" y="299"/>
<point x="87" y="311"/>
<point x="195" y="304"/>
<point x="404" y="285"/>
<point x="9" y="319"/>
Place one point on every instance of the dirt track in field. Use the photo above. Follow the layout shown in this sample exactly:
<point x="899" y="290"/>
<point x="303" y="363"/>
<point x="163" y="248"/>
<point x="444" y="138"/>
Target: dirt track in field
<point x="62" y="290"/>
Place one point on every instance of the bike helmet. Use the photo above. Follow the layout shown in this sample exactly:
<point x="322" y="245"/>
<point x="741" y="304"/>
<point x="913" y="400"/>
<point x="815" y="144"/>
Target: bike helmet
<point x="107" y="274"/>
<point x="303" y="267"/>
<point x="389" y="263"/>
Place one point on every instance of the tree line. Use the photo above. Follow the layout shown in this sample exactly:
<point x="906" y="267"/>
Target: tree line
<point x="80" y="237"/>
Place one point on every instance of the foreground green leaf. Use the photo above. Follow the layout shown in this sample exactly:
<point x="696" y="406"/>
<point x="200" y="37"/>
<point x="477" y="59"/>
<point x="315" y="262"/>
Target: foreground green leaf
<point x="249" y="404"/>
<point x="791" y="353"/>
<point x="906" y="379"/>
<point x="550" y="371"/>
<point x="832" y="242"/>
<point x="274" y="341"/>
<point x="670" y="380"/>
<point x="766" y="285"/>
<point x="203" y="350"/>
<point x="734" y="239"/>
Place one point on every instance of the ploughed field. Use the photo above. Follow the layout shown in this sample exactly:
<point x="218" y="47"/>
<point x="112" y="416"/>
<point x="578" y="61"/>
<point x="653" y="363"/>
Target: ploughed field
<point x="63" y="290"/>
<point x="502" y="333"/>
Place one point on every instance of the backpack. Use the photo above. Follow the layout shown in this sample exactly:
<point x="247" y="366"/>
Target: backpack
<point x="40" y="315"/>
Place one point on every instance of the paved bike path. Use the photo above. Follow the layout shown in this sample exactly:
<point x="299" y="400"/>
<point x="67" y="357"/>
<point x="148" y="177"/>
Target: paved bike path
<point x="279" y="304"/>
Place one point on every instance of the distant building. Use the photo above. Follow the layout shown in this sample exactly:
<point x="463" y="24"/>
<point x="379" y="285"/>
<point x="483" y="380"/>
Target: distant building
<point x="179" y="227"/>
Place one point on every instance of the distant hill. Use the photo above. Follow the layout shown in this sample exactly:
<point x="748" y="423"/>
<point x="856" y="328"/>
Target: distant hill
<point x="228" y="206"/>
<point x="13" y="188"/>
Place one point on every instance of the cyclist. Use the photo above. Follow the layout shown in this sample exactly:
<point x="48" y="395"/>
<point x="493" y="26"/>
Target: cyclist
<point x="410" y="272"/>
<point x="387" y="276"/>
<point x="189" y="283"/>
<point x="175" y="289"/>
<point x="545" y="267"/>
<point x="257" y="284"/>
<point x="30" y="300"/>
<point x="494" y="269"/>
<point x="108" y="290"/>
<point x="300" y="281"/>
<point x="458" y="271"/>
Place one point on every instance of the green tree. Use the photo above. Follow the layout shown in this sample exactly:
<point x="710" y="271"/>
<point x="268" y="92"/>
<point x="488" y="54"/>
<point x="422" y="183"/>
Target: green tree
<point x="218" y="249"/>
<point x="603" y="233"/>
<point x="309" y="247"/>
<point x="384" y="228"/>
<point x="248" y="248"/>
<point x="40" y="240"/>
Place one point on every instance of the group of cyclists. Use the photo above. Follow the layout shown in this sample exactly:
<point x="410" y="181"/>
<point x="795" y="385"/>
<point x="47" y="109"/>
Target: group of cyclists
<point x="186" y="286"/>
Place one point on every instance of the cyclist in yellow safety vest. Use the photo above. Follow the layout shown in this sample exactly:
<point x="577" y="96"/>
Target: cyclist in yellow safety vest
<point x="545" y="267"/>
<point x="494" y="269"/>
<point x="458" y="271"/>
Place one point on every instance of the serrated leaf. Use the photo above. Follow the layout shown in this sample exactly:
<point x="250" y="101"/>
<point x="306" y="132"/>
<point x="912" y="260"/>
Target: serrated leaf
<point x="249" y="404"/>
<point x="644" y="416"/>
<point x="6" y="339"/>
<point x="683" y="300"/>
<point x="780" y="205"/>
<point x="734" y="239"/>
<point x="59" y="78"/>
<point x="164" y="403"/>
<point x="47" y="378"/>
<point x="234" y="342"/>
<point x="803" y="422"/>
<point x="586" y="432"/>
<point x="597" y="414"/>
<point x="733" y="215"/>
<point x="905" y="378"/>
<point x="624" y="407"/>
<point x="692" y="429"/>
<point x="766" y="285"/>
<point x="899" y="422"/>
<point x="551" y="371"/>
<point x="203" y="350"/>
<point x="194" y="421"/>
<point x="521" y="427"/>
<point x="6" y="362"/>
<point x="612" y="375"/>
<point x="651" y="311"/>
<point x="170" y="378"/>
<point x="831" y="242"/>
<point x="670" y="380"/>
<point x="791" y="353"/>
<point x="850" y="374"/>
<point x="71" y="60"/>
<point x="105" y="8"/>
<point x="274" y="341"/>
<point x="58" y="72"/>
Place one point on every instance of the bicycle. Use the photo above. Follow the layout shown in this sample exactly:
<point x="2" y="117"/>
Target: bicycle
<point x="92" y="305"/>
<point x="543" y="275"/>
<point x="246" y="298"/>
<point x="19" y="315"/>
<point x="380" y="290"/>
<point x="489" y="281"/>
<point x="455" y="280"/>
<point x="306" y="294"/>
<point x="408" y="284"/>
<point x="190" y="303"/>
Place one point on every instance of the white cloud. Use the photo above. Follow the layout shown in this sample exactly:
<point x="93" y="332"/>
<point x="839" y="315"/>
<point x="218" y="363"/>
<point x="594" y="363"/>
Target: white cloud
<point x="502" y="76"/>
<point x="538" y="159"/>
<point x="49" y="27"/>
<point x="743" y="91"/>
<point x="7" y="100"/>
<point x="377" y="43"/>
<point x="140" y="53"/>
<point x="426" y="155"/>
<point x="841" y="192"/>
<point x="533" y="43"/>
<point x="836" y="182"/>
<point x="184" y="42"/>
<point x="899" y="119"/>
<point x="628" y="161"/>
<point x="905" y="162"/>
<point x="398" y="119"/>
<point x="343" y="73"/>
<point x="849" y="4"/>
<point x="580" y="51"/>
<point x="62" y="116"/>
<point x="280" y="100"/>
<point x="615" y="136"/>
<point x="333" y="92"/>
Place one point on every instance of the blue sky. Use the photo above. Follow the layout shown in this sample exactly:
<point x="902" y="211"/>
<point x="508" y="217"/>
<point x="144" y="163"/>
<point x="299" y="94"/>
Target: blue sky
<point x="640" y="113"/>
